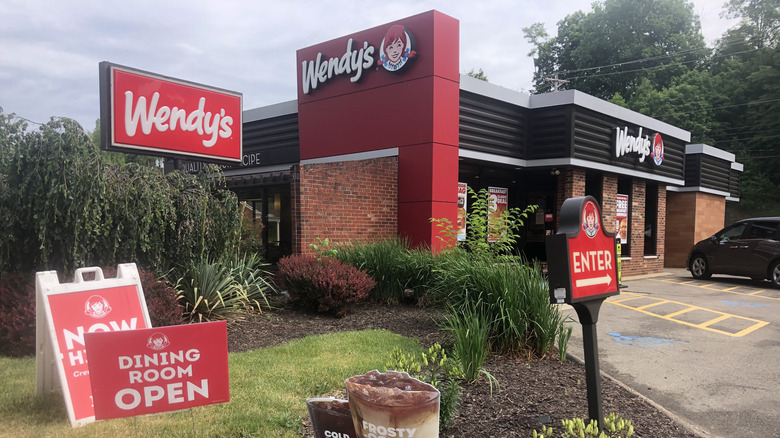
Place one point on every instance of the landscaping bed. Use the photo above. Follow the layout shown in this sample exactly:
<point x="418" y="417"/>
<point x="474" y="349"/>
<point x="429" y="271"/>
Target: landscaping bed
<point x="532" y="391"/>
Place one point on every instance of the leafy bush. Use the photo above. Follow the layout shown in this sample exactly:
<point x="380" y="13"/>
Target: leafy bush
<point x="614" y="427"/>
<point x="63" y="206"/>
<point x="213" y="290"/>
<point x="17" y="316"/>
<point x="401" y="273"/>
<point x="326" y="285"/>
<point x="435" y="368"/>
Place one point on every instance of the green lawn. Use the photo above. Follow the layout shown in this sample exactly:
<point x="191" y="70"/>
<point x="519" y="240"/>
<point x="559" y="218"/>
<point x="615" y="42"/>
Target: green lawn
<point x="268" y="390"/>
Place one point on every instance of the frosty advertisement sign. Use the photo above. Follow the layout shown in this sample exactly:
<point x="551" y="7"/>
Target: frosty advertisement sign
<point x="582" y="255"/>
<point x="160" y="369"/>
<point x="67" y="313"/>
<point x="150" y="114"/>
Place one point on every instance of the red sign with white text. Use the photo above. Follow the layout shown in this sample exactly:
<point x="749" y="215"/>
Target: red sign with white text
<point x="159" y="369"/>
<point x="592" y="256"/>
<point x="154" y="115"/>
<point x="74" y="315"/>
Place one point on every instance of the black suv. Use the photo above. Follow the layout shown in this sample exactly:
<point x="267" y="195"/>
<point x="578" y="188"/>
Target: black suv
<point x="748" y="248"/>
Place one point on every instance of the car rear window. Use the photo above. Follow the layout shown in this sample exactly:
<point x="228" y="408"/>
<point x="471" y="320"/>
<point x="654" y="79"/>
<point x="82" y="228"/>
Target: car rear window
<point x="762" y="230"/>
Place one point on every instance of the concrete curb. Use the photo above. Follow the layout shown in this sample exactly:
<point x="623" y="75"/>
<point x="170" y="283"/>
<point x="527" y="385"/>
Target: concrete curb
<point x="685" y="423"/>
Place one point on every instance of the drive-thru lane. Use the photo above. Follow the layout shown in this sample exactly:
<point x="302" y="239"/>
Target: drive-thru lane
<point x="707" y="351"/>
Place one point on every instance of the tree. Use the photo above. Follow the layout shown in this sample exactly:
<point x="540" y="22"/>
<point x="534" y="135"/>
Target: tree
<point x="478" y="74"/>
<point x="617" y="45"/>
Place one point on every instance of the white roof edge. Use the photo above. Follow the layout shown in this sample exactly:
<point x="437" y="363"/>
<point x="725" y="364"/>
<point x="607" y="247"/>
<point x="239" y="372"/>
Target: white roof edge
<point x="569" y="97"/>
<point x="739" y="167"/>
<point x="700" y="148"/>
<point x="266" y="112"/>
<point x="484" y="88"/>
<point x="698" y="189"/>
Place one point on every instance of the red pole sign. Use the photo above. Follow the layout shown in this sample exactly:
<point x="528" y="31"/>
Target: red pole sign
<point x="582" y="256"/>
<point x="150" y="114"/>
<point x="68" y="312"/>
<point x="160" y="369"/>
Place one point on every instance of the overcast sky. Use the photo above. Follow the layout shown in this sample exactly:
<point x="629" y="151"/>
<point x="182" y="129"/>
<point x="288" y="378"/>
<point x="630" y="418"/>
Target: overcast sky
<point x="50" y="49"/>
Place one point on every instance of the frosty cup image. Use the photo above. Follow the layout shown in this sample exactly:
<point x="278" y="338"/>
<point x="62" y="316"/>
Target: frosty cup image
<point x="330" y="418"/>
<point x="393" y="404"/>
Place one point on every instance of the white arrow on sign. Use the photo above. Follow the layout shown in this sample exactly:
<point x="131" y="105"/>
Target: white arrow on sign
<point x="594" y="281"/>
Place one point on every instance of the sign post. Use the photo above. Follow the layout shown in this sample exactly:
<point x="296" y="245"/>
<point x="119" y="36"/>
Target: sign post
<point x="582" y="264"/>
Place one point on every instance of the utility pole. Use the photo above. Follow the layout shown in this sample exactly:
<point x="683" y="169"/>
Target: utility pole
<point x="556" y="82"/>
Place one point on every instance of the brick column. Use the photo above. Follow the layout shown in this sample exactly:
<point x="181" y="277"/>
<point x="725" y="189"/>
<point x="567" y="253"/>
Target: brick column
<point x="609" y="185"/>
<point x="571" y="184"/>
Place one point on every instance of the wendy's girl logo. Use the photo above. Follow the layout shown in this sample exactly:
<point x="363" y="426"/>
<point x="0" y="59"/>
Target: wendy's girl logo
<point x="590" y="224"/>
<point x="397" y="48"/>
<point x="97" y="307"/>
<point x="158" y="341"/>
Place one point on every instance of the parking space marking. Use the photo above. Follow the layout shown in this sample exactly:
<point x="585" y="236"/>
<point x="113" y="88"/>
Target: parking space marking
<point x="740" y="325"/>
<point x="761" y="293"/>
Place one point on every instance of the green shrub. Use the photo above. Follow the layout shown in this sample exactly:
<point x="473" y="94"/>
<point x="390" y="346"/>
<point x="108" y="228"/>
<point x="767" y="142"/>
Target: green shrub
<point x="160" y="296"/>
<point x="614" y="427"/>
<point x="64" y="206"/>
<point x="437" y="369"/>
<point x="401" y="273"/>
<point x="509" y="293"/>
<point x="326" y="285"/>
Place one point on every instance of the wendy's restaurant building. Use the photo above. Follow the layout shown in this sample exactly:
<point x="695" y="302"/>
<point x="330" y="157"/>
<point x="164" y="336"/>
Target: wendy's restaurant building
<point x="385" y="130"/>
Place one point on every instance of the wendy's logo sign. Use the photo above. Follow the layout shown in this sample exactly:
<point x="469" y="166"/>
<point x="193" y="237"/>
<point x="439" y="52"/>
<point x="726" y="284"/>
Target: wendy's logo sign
<point x="154" y="115"/>
<point x="640" y="145"/>
<point x="396" y="50"/>
<point x="158" y="341"/>
<point x="97" y="307"/>
<point x="590" y="225"/>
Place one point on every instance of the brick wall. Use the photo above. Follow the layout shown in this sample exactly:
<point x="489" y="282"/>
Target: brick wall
<point x="344" y="201"/>
<point x="695" y="216"/>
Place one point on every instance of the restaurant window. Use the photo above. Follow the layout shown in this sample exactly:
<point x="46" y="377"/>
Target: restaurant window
<point x="651" y="219"/>
<point x="624" y="187"/>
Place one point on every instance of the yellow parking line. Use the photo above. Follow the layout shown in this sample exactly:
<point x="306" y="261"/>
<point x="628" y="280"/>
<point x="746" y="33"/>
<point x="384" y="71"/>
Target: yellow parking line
<point x="756" y="292"/>
<point x="714" y="286"/>
<point x="714" y="320"/>
<point x="679" y="312"/>
<point x="757" y="324"/>
<point x="646" y="306"/>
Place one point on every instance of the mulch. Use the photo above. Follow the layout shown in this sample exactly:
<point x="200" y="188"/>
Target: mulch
<point x="532" y="392"/>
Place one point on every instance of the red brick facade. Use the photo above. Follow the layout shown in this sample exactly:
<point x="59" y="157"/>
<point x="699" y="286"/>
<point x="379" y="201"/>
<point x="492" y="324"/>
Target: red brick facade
<point x="344" y="201"/>
<point x="571" y="184"/>
<point x="696" y="216"/>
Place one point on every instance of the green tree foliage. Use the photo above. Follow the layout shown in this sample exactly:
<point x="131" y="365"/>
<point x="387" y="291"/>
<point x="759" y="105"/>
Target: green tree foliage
<point x="62" y="206"/>
<point x="617" y="45"/>
<point x="478" y="75"/>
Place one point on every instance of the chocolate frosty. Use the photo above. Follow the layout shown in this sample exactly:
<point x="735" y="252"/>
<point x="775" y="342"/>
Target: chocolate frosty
<point x="393" y="405"/>
<point x="330" y="418"/>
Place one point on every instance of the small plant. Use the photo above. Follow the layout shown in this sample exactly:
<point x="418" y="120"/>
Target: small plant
<point x="614" y="427"/>
<point x="435" y="368"/>
<point x="323" y="248"/>
<point x="326" y="285"/>
<point x="469" y="329"/>
<point x="486" y="231"/>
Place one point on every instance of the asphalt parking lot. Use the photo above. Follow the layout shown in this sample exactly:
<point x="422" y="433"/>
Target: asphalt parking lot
<point x="706" y="351"/>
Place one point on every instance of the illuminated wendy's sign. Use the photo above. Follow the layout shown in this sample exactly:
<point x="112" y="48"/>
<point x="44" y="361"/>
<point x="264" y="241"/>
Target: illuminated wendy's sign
<point x="395" y="51"/>
<point x="150" y="114"/>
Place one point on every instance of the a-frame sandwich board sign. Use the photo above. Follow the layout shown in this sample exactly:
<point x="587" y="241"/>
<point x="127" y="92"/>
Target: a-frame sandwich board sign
<point x="64" y="312"/>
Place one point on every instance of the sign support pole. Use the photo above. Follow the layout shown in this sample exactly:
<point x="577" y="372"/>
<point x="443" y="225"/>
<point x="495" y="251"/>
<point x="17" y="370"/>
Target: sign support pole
<point x="588" y="312"/>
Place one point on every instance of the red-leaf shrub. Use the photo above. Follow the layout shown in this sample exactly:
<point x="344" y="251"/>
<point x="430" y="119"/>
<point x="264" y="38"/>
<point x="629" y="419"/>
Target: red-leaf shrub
<point x="17" y="315"/>
<point x="326" y="285"/>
